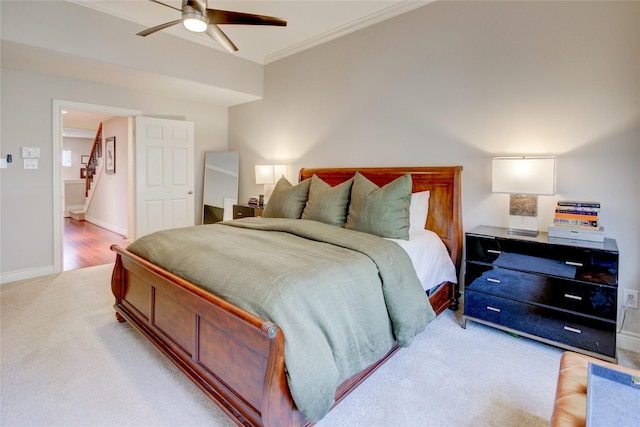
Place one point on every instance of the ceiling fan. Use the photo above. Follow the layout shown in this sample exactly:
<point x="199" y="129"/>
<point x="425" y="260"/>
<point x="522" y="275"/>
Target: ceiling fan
<point x="197" y="17"/>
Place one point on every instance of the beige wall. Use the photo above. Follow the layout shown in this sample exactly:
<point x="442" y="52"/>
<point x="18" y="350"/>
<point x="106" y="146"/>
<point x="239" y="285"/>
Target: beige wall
<point x="26" y="196"/>
<point x="109" y="206"/>
<point x="84" y="56"/>
<point x="457" y="83"/>
<point x="78" y="147"/>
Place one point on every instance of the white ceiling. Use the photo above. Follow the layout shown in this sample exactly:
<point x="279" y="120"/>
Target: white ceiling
<point x="309" y="22"/>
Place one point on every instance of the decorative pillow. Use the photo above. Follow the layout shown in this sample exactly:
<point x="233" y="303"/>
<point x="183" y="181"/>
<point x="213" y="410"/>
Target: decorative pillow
<point x="326" y="203"/>
<point x="287" y="201"/>
<point x="419" y="209"/>
<point x="380" y="211"/>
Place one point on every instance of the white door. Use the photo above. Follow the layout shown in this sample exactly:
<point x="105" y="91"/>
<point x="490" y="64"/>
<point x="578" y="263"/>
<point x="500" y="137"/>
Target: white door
<point x="164" y="174"/>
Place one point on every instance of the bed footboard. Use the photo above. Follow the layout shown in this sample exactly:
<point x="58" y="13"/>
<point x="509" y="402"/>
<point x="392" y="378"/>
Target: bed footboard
<point x="234" y="357"/>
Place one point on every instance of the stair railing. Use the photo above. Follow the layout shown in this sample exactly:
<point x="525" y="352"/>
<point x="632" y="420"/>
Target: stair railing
<point x="96" y="153"/>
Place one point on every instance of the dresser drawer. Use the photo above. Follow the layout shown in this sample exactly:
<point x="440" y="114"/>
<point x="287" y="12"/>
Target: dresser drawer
<point x="569" y="262"/>
<point x="586" y="333"/>
<point x="246" y="211"/>
<point x="583" y="298"/>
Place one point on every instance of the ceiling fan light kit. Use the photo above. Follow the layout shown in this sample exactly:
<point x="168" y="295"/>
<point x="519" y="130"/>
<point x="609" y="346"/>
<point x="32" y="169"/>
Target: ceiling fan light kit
<point x="194" y="20"/>
<point x="197" y="17"/>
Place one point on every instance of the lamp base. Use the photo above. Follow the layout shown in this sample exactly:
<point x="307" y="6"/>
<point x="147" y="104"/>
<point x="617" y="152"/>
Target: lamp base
<point x="522" y="232"/>
<point x="523" y="226"/>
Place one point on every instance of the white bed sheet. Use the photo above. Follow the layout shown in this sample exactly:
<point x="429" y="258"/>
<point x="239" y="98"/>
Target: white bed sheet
<point x="429" y="257"/>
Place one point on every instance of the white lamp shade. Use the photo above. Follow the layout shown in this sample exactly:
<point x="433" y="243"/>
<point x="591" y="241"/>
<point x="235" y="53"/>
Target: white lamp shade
<point x="524" y="175"/>
<point x="264" y="174"/>
<point x="270" y="174"/>
<point x="278" y="172"/>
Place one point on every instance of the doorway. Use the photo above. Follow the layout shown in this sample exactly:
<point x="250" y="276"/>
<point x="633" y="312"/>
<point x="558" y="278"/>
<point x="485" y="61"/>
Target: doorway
<point x="58" y="182"/>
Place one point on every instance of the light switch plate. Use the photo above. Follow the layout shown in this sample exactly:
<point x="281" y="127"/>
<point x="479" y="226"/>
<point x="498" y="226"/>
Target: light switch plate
<point x="31" y="163"/>
<point x="3" y="163"/>
<point x="31" y="153"/>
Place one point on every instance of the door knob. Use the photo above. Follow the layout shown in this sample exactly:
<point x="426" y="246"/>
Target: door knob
<point x="190" y="192"/>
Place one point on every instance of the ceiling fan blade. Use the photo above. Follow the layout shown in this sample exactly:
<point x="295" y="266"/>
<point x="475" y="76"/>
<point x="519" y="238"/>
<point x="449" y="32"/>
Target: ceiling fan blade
<point x="158" y="28"/>
<point x="216" y="33"/>
<point x="224" y="17"/>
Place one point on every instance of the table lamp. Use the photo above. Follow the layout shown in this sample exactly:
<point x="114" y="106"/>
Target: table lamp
<point x="268" y="175"/>
<point x="524" y="179"/>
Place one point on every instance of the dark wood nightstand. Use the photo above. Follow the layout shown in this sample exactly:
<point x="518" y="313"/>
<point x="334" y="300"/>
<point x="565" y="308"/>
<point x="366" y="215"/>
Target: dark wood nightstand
<point x="243" y="211"/>
<point x="559" y="291"/>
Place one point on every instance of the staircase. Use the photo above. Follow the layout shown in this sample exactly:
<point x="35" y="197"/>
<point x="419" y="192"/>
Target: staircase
<point x="94" y="165"/>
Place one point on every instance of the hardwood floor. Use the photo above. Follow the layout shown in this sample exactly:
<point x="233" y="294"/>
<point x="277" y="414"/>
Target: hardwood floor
<point x="86" y="244"/>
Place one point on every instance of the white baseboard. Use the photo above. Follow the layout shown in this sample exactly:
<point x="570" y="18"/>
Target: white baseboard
<point x="107" y="226"/>
<point x="14" y="276"/>
<point x="75" y="208"/>
<point x="629" y="341"/>
<point x="32" y="273"/>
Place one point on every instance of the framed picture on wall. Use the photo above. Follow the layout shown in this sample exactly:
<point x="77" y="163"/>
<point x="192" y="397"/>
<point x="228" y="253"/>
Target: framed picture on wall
<point x="83" y="173"/>
<point x="84" y="159"/>
<point x="110" y="155"/>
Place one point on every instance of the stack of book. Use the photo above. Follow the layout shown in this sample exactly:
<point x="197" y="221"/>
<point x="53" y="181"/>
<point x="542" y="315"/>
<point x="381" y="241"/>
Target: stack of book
<point x="577" y="214"/>
<point x="576" y="219"/>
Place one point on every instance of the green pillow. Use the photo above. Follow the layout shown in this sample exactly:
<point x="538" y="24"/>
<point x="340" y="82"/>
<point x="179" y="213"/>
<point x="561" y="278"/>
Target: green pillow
<point x="326" y="203"/>
<point x="287" y="201"/>
<point x="380" y="211"/>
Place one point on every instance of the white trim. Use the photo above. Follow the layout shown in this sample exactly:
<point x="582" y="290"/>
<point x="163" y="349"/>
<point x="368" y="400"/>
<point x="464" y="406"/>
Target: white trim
<point x="374" y="18"/>
<point x="131" y="187"/>
<point x="58" y="183"/>
<point x="107" y="226"/>
<point x="31" y="273"/>
<point x="629" y="341"/>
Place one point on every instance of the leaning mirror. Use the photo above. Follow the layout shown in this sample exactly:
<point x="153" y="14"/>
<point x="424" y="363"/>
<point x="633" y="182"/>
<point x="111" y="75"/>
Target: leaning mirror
<point x="220" y="189"/>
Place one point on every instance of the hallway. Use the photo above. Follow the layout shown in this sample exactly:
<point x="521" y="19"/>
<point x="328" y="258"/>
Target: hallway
<point x="86" y="244"/>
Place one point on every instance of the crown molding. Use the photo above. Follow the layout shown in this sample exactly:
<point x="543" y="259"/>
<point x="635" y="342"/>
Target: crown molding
<point x="374" y="18"/>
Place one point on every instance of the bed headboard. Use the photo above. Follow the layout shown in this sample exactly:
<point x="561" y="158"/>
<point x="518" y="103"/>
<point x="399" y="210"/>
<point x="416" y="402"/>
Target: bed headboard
<point x="445" y="201"/>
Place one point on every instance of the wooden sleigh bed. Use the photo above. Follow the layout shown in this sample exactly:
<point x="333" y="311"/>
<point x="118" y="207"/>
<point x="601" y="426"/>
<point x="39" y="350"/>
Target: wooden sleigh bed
<point x="235" y="357"/>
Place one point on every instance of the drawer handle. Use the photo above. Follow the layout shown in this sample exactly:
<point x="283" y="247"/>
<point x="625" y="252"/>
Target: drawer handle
<point x="239" y="213"/>
<point x="575" y="264"/>
<point x="575" y="297"/>
<point x="491" y="279"/>
<point x="493" y="251"/>
<point x="570" y="329"/>
<point x="497" y="310"/>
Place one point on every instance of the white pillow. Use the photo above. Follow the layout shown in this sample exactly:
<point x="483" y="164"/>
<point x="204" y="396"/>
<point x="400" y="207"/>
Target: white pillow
<point x="429" y="257"/>
<point x="418" y="209"/>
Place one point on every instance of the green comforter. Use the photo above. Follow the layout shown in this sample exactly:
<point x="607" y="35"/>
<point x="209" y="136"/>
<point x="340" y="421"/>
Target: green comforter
<point x="341" y="297"/>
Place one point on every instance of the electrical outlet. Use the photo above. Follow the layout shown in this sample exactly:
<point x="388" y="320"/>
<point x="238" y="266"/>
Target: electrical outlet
<point x="630" y="298"/>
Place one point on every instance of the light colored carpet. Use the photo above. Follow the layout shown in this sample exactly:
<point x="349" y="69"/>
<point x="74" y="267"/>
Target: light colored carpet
<point x="66" y="361"/>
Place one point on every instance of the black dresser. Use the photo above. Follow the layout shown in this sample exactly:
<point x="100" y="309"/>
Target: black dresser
<point x="559" y="291"/>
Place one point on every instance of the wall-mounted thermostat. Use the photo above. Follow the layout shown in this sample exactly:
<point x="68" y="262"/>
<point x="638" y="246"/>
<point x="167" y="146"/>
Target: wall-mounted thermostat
<point x="30" y="152"/>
